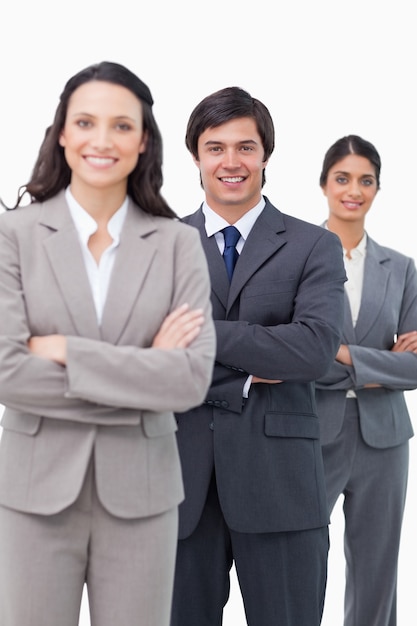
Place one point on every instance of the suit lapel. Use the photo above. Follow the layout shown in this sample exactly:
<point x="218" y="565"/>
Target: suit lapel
<point x="265" y="239"/>
<point x="374" y="289"/>
<point x="376" y="275"/>
<point x="217" y="269"/>
<point x="63" y="249"/>
<point x="134" y="256"/>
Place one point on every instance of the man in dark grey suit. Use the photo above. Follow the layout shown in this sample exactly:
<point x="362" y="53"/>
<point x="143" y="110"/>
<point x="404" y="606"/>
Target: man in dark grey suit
<point x="251" y="459"/>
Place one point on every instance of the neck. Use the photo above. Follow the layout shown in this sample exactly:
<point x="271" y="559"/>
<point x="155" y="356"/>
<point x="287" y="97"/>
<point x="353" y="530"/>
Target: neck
<point x="101" y="204"/>
<point x="232" y="212"/>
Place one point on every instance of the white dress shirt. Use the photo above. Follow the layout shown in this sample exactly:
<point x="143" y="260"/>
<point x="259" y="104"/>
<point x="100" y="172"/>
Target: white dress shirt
<point x="98" y="274"/>
<point x="214" y="224"/>
<point x="354" y="267"/>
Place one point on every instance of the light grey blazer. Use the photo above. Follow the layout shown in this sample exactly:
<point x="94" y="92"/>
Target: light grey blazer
<point x="388" y="308"/>
<point x="116" y="396"/>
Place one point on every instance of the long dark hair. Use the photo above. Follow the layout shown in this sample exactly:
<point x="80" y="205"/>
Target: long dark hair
<point x="225" y="105"/>
<point x="351" y="144"/>
<point x="51" y="172"/>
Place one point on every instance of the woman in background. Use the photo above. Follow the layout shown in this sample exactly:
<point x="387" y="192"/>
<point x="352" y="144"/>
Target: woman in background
<point x="365" y="425"/>
<point x="105" y="330"/>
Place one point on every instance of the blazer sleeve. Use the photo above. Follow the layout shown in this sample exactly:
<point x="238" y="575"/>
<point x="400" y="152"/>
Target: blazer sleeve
<point x="99" y="376"/>
<point x="377" y="364"/>
<point x="27" y="383"/>
<point x="338" y="377"/>
<point x="393" y="370"/>
<point x="149" y="378"/>
<point x="302" y="350"/>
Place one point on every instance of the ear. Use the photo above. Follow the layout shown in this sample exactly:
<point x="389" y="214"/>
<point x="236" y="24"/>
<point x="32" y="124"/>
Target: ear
<point x="196" y="161"/>
<point x="143" y="144"/>
<point x="61" y="139"/>
<point x="324" y="190"/>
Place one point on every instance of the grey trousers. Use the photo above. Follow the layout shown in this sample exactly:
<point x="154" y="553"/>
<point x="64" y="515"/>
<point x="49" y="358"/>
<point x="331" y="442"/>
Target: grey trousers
<point x="127" y="565"/>
<point x="373" y="482"/>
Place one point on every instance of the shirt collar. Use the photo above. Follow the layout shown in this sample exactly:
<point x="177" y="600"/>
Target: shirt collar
<point x="214" y="222"/>
<point x="360" y="249"/>
<point x="86" y="225"/>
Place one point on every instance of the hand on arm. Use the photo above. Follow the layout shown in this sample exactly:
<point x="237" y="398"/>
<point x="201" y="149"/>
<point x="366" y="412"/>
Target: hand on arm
<point x="343" y="355"/>
<point x="406" y="342"/>
<point x="52" y="347"/>
<point x="179" y="328"/>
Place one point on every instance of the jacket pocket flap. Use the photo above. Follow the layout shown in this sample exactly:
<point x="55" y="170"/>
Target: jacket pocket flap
<point x="292" y="425"/>
<point x="18" y="422"/>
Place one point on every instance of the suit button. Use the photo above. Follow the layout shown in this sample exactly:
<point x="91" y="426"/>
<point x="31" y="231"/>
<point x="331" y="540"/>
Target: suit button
<point x="224" y="404"/>
<point x="217" y="403"/>
<point x="211" y="425"/>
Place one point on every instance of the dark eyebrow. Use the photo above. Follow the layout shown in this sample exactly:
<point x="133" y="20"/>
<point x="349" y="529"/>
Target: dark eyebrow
<point x="213" y="142"/>
<point x="339" y="172"/>
<point x="118" y="117"/>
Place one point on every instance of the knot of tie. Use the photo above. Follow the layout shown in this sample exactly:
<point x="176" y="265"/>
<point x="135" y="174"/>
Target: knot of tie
<point x="230" y="254"/>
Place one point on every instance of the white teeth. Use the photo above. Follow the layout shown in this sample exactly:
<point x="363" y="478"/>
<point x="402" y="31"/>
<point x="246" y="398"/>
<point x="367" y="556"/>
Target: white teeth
<point x="233" y="179"/>
<point x="100" y="160"/>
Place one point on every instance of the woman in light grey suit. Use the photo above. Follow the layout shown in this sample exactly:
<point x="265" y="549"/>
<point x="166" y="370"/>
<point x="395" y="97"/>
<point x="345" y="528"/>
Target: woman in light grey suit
<point x="105" y="330"/>
<point x="365" y="425"/>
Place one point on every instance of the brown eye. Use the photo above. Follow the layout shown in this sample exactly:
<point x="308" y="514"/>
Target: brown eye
<point x="83" y="123"/>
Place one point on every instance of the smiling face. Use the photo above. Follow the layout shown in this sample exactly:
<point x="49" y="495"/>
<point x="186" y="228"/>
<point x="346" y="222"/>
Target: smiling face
<point x="102" y="137"/>
<point x="231" y="162"/>
<point x="350" y="188"/>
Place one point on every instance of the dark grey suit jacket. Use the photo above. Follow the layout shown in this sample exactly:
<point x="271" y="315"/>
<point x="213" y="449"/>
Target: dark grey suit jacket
<point x="388" y="307"/>
<point x="280" y="318"/>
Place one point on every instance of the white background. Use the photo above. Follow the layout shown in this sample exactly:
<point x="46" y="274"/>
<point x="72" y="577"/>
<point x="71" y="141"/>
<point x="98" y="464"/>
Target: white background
<point x="324" y="69"/>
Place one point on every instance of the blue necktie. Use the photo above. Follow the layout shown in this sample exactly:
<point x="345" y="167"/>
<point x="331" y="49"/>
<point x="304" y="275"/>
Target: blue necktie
<point x="230" y="254"/>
